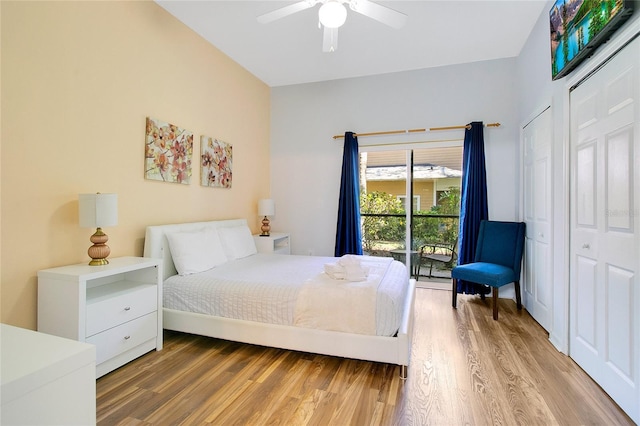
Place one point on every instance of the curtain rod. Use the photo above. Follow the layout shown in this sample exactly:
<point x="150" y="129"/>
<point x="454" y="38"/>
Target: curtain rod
<point x="388" y="132"/>
<point x="431" y="129"/>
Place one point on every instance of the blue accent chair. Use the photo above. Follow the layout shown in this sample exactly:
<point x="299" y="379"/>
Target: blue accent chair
<point x="497" y="261"/>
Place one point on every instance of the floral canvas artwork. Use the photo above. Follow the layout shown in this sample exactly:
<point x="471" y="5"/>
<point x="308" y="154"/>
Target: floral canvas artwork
<point x="168" y="152"/>
<point x="216" y="162"/>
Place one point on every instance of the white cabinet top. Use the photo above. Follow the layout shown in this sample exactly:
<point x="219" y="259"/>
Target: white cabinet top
<point x="116" y="265"/>
<point x="273" y="235"/>
<point x="30" y="358"/>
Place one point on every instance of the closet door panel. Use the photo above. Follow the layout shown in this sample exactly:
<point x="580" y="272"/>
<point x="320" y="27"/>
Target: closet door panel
<point x="604" y="250"/>
<point x="619" y="308"/>
<point x="538" y="200"/>
<point x="586" y="308"/>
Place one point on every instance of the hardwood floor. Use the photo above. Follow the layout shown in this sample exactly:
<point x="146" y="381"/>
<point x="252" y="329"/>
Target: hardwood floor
<point x="465" y="369"/>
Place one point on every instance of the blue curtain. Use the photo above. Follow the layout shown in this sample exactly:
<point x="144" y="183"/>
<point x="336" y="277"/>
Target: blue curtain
<point x="473" y="201"/>
<point x="348" y="234"/>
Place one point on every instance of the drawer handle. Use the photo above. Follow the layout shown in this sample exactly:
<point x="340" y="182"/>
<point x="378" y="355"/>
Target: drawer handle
<point x="128" y="308"/>
<point x="127" y="337"/>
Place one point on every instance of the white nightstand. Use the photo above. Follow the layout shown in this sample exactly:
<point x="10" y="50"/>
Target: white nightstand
<point x="117" y="307"/>
<point x="276" y="243"/>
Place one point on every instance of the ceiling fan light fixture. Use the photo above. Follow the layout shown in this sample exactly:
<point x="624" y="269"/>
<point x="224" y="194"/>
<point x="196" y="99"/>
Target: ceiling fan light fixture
<point x="332" y="14"/>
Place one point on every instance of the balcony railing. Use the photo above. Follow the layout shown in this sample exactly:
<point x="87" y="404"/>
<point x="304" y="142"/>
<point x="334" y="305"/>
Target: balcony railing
<point x="383" y="234"/>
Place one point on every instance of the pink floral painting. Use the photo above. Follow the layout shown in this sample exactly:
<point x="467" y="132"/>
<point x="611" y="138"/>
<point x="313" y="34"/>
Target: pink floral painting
<point x="216" y="161"/>
<point x="168" y="152"/>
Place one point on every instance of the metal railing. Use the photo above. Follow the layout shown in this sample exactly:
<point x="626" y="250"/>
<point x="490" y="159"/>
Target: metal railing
<point x="383" y="234"/>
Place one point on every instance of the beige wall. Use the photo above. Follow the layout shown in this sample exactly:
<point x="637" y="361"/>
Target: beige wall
<point x="78" y="81"/>
<point x="422" y="188"/>
<point x="393" y="187"/>
<point x="425" y="190"/>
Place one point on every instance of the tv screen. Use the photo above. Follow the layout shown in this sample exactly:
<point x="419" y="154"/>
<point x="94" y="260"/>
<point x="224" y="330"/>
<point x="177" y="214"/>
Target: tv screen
<point x="579" y="26"/>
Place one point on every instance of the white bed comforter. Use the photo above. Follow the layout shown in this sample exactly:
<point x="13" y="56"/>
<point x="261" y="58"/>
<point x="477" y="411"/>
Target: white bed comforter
<point x="342" y="305"/>
<point x="265" y="288"/>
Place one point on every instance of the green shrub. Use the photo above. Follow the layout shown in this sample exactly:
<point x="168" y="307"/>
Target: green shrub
<point x="381" y="229"/>
<point x="378" y="231"/>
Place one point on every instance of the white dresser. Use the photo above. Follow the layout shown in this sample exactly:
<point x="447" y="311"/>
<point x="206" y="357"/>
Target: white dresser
<point x="117" y="307"/>
<point x="46" y="380"/>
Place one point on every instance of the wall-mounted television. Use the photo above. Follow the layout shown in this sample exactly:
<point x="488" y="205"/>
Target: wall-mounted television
<point x="579" y="26"/>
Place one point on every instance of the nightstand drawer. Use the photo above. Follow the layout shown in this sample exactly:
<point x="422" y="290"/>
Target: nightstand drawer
<point x="124" y="337"/>
<point x="124" y="304"/>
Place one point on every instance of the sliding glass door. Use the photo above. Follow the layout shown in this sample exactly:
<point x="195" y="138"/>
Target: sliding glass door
<point x="410" y="203"/>
<point x="383" y="202"/>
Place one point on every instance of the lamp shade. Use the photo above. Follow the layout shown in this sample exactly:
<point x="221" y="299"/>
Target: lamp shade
<point x="98" y="210"/>
<point x="266" y="207"/>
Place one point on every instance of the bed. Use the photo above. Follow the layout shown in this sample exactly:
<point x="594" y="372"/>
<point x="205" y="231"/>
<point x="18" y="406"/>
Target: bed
<point x="386" y="340"/>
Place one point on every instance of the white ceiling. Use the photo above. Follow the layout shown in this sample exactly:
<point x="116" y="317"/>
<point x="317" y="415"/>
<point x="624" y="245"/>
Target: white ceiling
<point x="289" y="50"/>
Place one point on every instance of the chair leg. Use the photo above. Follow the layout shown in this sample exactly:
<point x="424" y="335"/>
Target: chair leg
<point x="495" y="303"/>
<point x="518" y="298"/>
<point x="454" y="291"/>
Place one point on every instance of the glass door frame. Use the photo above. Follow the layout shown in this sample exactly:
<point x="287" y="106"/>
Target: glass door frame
<point x="409" y="149"/>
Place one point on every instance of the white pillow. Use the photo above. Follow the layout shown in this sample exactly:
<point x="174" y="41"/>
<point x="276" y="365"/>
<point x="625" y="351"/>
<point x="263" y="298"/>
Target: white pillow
<point x="237" y="242"/>
<point x="194" y="252"/>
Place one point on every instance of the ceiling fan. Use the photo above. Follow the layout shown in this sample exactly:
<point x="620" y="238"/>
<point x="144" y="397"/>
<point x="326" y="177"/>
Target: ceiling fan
<point x="333" y="13"/>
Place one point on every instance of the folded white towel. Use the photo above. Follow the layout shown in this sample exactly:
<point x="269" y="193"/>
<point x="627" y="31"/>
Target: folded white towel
<point x="349" y="259"/>
<point x="355" y="273"/>
<point x="348" y="268"/>
<point x="334" y="271"/>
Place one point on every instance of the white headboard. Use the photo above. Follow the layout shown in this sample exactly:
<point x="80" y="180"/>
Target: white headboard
<point x="156" y="244"/>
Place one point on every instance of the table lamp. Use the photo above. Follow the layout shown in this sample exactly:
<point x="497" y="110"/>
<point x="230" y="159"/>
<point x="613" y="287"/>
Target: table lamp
<point x="266" y="208"/>
<point x="98" y="211"/>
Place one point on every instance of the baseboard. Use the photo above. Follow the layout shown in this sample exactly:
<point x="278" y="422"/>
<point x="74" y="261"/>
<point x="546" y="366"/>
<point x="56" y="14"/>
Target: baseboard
<point x="434" y="285"/>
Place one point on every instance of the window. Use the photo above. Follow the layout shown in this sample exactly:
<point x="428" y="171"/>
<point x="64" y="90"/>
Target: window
<point x="416" y="201"/>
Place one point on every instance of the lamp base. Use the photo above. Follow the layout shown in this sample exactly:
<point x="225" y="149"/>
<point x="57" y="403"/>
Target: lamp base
<point x="265" y="228"/>
<point x="99" y="251"/>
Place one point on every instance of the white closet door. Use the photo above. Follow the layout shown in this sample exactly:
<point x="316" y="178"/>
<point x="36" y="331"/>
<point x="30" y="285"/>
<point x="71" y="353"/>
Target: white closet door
<point x="605" y="228"/>
<point x="538" y="197"/>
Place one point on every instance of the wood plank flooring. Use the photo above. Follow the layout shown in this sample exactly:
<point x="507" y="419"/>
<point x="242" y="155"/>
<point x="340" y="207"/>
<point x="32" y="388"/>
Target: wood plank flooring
<point x="465" y="369"/>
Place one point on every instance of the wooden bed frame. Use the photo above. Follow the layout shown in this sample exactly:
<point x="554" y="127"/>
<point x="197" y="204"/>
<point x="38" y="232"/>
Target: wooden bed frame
<point x="392" y="350"/>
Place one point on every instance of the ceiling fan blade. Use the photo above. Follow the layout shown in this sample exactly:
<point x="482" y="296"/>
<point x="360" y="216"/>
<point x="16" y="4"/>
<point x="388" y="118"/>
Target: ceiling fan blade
<point x="380" y="13"/>
<point x="330" y="40"/>
<point x="285" y="11"/>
